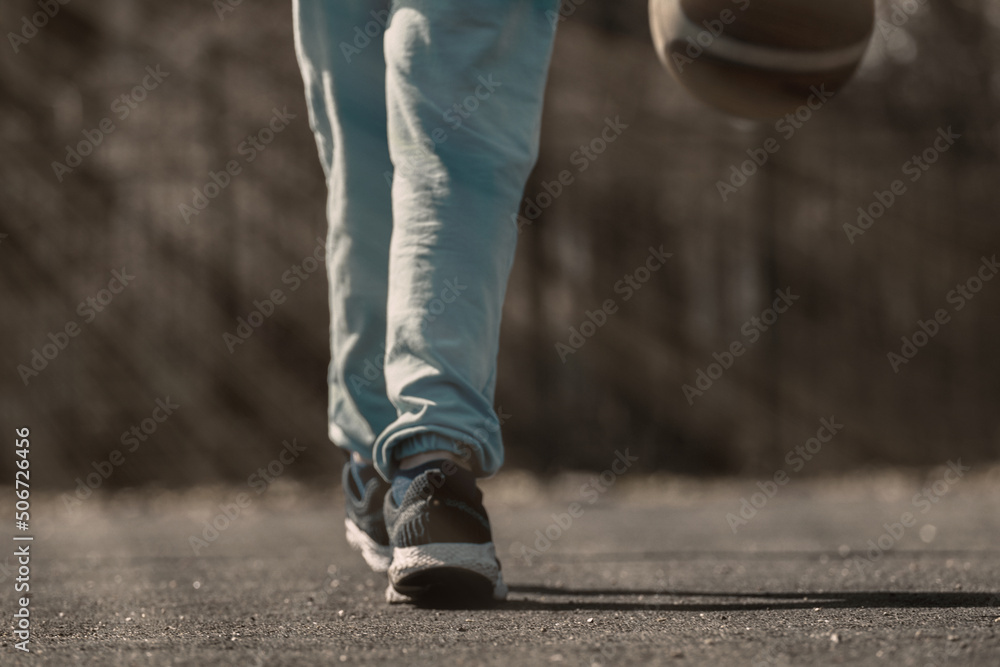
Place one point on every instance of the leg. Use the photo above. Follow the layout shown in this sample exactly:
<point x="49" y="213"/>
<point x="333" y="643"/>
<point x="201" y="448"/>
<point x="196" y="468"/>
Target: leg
<point x="465" y="81"/>
<point x="339" y="47"/>
<point x="464" y="87"/>
<point x="343" y="68"/>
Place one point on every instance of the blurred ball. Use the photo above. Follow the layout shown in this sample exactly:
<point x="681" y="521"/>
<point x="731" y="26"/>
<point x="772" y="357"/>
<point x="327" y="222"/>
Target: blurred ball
<point x="761" y="58"/>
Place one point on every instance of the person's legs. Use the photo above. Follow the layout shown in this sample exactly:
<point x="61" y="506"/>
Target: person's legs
<point x="339" y="47"/>
<point x="340" y="51"/>
<point x="418" y="279"/>
<point x="464" y="87"/>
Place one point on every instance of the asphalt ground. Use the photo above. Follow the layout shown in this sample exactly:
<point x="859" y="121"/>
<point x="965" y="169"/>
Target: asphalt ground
<point x="647" y="570"/>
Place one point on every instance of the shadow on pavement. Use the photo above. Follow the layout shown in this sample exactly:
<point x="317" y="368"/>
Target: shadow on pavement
<point x="739" y="601"/>
<point x="766" y="555"/>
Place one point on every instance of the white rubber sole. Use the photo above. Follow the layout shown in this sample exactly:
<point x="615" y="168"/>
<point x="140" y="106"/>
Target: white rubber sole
<point x="458" y="561"/>
<point x="377" y="556"/>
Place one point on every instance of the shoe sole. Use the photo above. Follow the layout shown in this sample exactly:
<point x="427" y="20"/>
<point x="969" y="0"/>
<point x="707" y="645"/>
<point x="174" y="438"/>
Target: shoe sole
<point x="445" y="572"/>
<point x="378" y="556"/>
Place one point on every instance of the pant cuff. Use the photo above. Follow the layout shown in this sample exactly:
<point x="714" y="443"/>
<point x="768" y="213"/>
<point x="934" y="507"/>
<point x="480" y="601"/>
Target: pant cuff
<point x="427" y="441"/>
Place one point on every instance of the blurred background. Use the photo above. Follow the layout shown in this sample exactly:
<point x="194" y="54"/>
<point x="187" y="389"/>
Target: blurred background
<point x="208" y="78"/>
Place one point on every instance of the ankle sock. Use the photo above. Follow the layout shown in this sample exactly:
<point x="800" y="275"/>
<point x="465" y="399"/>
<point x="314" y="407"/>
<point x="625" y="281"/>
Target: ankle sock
<point x="403" y="478"/>
<point x="462" y="480"/>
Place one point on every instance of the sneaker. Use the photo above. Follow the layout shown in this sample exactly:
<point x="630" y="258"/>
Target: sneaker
<point x="442" y="544"/>
<point x="365" y="522"/>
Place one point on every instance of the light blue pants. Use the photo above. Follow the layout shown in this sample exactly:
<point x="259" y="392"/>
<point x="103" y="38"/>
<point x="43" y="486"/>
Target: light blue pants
<point x="427" y="116"/>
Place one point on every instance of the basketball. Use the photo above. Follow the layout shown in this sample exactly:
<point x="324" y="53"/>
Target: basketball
<point x="761" y="59"/>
